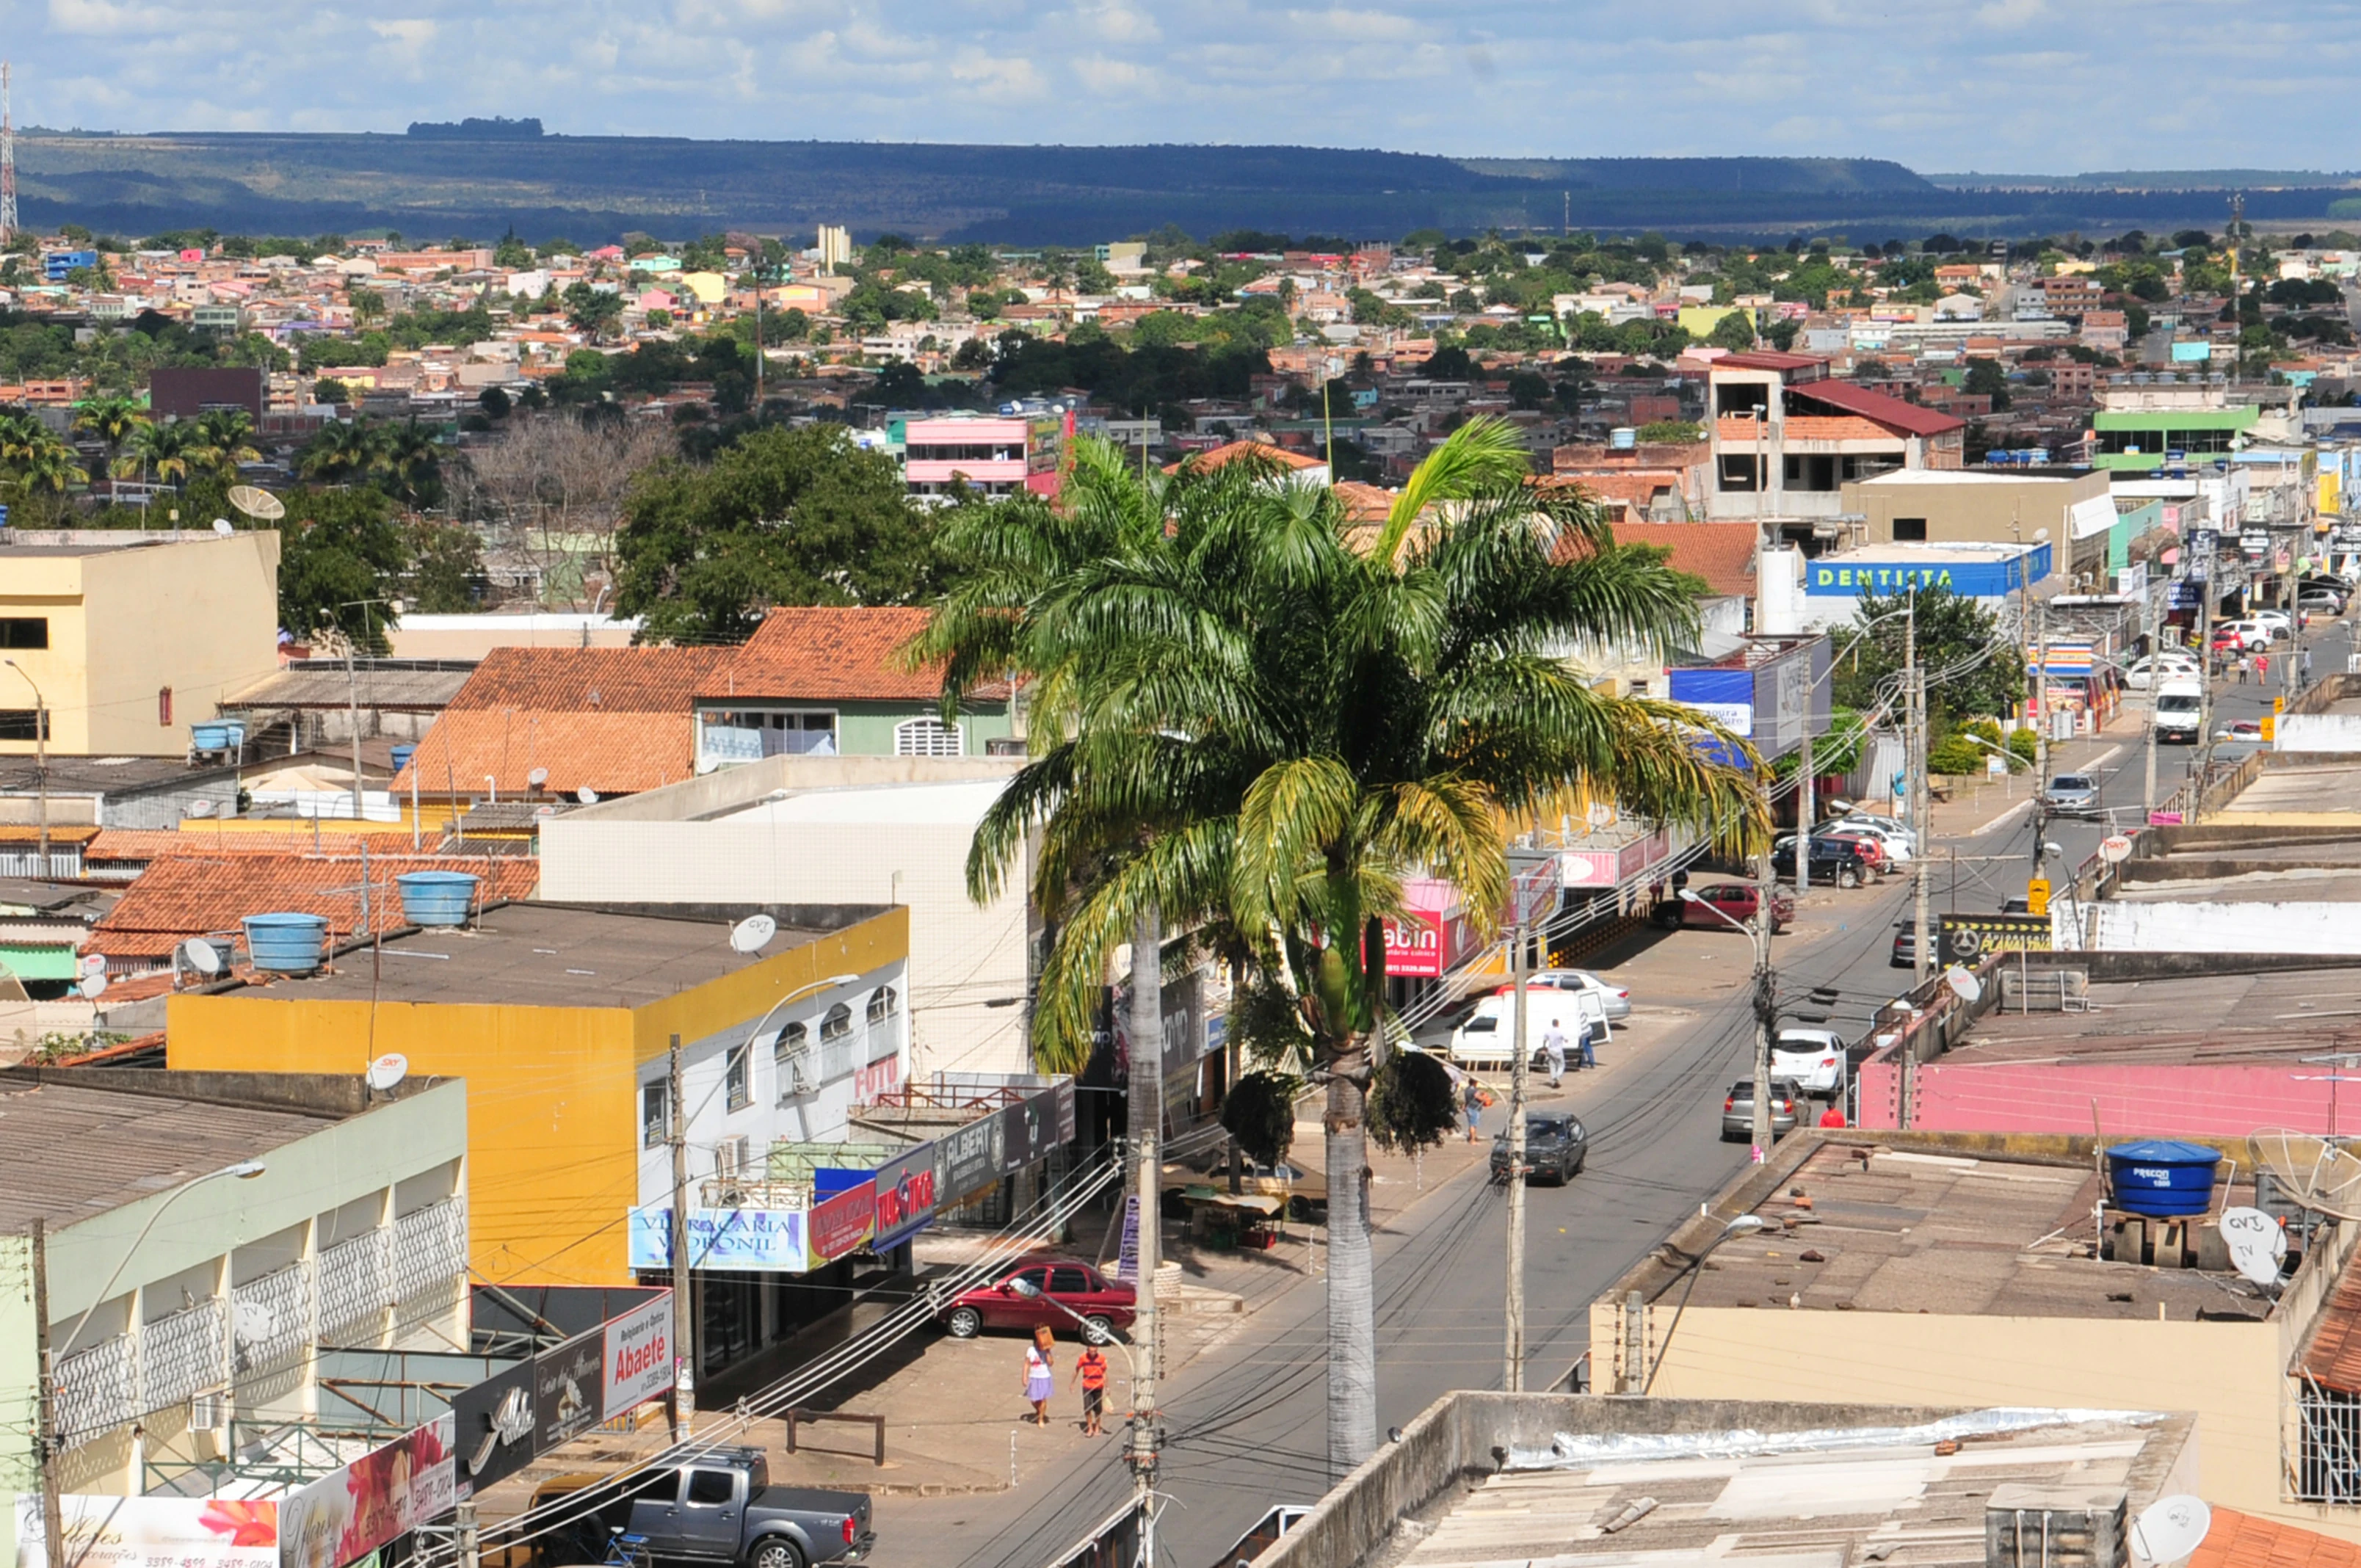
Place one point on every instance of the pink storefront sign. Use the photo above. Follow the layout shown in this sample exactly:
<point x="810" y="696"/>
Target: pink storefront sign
<point x="1431" y="937"/>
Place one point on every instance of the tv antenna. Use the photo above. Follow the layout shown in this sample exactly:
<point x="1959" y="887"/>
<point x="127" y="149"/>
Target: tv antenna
<point x="2312" y="1171"/>
<point x="201" y="956"/>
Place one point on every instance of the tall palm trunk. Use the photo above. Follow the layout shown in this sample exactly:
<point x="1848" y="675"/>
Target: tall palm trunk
<point x="1147" y="1122"/>
<point x="1352" y="1300"/>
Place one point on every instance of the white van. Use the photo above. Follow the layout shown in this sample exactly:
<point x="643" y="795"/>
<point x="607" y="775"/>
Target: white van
<point x="2179" y="707"/>
<point x="1483" y="1039"/>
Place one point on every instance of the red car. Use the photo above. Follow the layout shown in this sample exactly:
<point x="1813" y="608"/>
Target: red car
<point x="1724" y="903"/>
<point x="1104" y="1305"/>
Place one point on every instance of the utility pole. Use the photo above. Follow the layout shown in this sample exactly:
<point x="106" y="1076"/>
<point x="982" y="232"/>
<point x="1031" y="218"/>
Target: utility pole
<point x="2206" y="590"/>
<point x="353" y="694"/>
<point x="1512" y="1376"/>
<point x="684" y="1317"/>
<point x="52" y="1507"/>
<point x="1922" y="940"/>
<point x="1764" y="890"/>
<point x="1146" y="1123"/>
<point x="2155" y="681"/>
<point x="40" y="760"/>
<point x="2041" y="729"/>
<point x="1804" y="811"/>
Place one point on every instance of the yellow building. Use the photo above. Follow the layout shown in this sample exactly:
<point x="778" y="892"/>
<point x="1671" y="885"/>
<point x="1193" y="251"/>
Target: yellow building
<point x="561" y="1021"/>
<point x="1700" y="320"/>
<point x="128" y="638"/>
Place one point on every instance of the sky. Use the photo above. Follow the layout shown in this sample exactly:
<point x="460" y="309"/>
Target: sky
<point x="2023" y="86"/>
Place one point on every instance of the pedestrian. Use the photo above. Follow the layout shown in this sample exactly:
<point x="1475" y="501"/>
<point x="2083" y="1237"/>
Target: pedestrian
<point x="1090" y="1371"/>
<point x="2262" y="668"/>
<point x="2307" y="667"/>
<point x="1472" y="1096"/>
<point x="1833" y="1117"/>
<point x="1589" y="1037"/>
<point x="2240" y="665"/>
<point x="1554" y="1048"/>
<point x="1040" y="1375"/>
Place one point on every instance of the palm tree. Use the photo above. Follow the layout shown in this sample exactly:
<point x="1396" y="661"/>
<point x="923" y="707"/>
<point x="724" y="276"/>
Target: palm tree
<point x="344" y="454"/>
<point x="224" y="439"/>
<point x="1255" y="719"/>
<point x="164" y="450"/>
<point x="36" y="463"/>
<point x="413" y="461"/>
<point x="111" y="420"/>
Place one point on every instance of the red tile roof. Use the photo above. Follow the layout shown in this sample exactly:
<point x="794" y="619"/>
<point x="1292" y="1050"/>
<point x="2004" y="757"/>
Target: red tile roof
<point x="1365" y="502"/>
<point x="1720" y="552"/>
<point x="1229" y="452"/>
<point x="613" y="754"/>
<point x="2243" y="1541"/>
<point x="2332" y="1354"/>
<point x="1768" y="359"/>
<point x="1893" y="412"/>
<point x="609" y="680"/>
<point x="138" y="845"/>
<point x="181" y="897"/>
<point x="830" y="654"/>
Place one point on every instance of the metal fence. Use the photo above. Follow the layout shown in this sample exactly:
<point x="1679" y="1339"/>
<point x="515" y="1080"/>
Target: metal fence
<point x="2327" y="1467"/>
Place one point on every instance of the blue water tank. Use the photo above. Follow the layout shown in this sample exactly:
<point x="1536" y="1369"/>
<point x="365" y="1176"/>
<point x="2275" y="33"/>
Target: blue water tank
<point x="402" y="755"/>
<point x="2162" y="1177"/>
<point x="286" y="943"/>
<point x="221" y="735"/>
<point x="436" y="898"/>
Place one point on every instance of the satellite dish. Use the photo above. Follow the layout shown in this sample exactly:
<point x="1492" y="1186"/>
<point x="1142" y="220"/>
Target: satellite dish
<point x="224" y="527"/>
<point x="587" y="795"/>
<point x="537" y="778"/>
<point x="203" y="956"/>
<point x="92" y="963"/>
<point x="2171" y="1528"/>
<point x="2115" y="849"/>
<point x="200" y="808"/>
<point x="257" y="503"/>
<point x="1964" y="985"/>
<point x="540" y="811"/>
<point x="2257" y="1245"/>
<point x="252" y="1322"/>
<point x="2312" y="1171"/>
<point x="92" y="987"/>
<point x="753" y="934"/>
<point x="388" y="1070"/>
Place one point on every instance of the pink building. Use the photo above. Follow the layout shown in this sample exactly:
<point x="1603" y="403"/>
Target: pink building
<point x="998" y="456"/>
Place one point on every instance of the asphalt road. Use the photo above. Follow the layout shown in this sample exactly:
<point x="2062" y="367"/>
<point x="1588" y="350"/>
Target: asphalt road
<point x="1246" y="1419"/>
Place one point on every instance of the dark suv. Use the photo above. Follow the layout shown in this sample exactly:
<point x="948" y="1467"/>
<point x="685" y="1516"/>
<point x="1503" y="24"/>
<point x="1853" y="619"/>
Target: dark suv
<point x="1555" y="1147"/>
<point x="719" y="1508"/>
<point x="1834" y="859"/>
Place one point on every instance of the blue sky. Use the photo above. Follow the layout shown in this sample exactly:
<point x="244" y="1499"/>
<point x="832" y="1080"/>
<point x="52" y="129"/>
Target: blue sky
<point x="2045" y="86"/>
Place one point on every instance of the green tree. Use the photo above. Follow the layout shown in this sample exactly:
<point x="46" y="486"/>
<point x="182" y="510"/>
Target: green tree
<point x="342" y="453"/>
<point x="446" y="571"/>
<point x="592" y="312"/>
<point x="1971" y="670"/>
<point x="1986" y="376"/>
<point x="1249" y="727"/>
<point x="781" y="516"/>
<point x="162" y="450"/>
<point x="111" y="420"/>
<point x="224" y="439"/>
<point x="1734" y="332"/>
<point x="513" y="253"/>
<point x="337" y="548"/>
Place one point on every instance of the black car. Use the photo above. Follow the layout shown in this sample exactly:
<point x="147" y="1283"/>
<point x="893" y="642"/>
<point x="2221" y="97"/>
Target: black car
<point x="1833" y="860"/>
<point x="1555" y="1147"/>
<point x="717" y="1509"/>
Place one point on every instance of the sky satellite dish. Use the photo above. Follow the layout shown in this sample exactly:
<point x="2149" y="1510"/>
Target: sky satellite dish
<point x="388" y="1070"/>
<point x="2312" y="1171"/>
<point x="2257" y="1245"/>
<point x="753" y="934"/>
<point x="587" y="795"/>
<point x="253" y="1323"/>
<point x="200" y="808"/>
<point x="93" y="986"/>
<point x="257" y="503"/>
<point x="224" y="527"/>
<point x="92" y="963"/>
<point x="1964" y="985"/>
<point x="537" y="778"/>
<point x="2115" y="849"/>
<point x="203" y="956"/>
<point x="2171" y="1528"/>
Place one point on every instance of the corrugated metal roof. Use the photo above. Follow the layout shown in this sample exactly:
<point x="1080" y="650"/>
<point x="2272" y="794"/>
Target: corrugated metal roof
<point x="418" y="691"/>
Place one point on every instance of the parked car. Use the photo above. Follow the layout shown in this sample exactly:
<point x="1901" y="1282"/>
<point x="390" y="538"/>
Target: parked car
<point x="2320" y="601"/>
<point x="2238" y="729"/>
<point x="719" y="1508"/>
<point x="2243" y="636"/>
<point x="1834" y="859"/>
<point x="1104" y="1305"/>
<point x="1724" y="902"/>
<point x="1617" y="998"/>
<point x="1898" y="843"/>
<point x="1482" y="1038"/>
<point x="2141" y="672"/>
<point x="1555" y="1147"/>
<point x="1738" y="1108"/>
<point x="1814" y="1059"/>
<point x="2277" y="622"/>
<point x="1871" y="848"/>
<point x="1905" y="945"/>
<point x="2072" y="795"/>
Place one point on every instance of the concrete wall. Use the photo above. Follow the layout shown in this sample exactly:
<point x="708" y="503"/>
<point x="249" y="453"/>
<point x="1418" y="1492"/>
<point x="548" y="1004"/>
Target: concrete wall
<point x="2203" y="927"/>
<point x="2319" y="732"/>
<point x="1978" y="507"/>
<point x="726" y="789"/>
<point x="2174" y="1102"/>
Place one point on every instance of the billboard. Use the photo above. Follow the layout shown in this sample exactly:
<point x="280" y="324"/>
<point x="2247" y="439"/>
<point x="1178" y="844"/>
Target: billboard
<point x="1964" y="939"/>
<point x="1853" y="576"/>
<point x="906" y="1196"/>
<point x="387" y="1493"/>
<point x="566" y="1385"/>
<point x="753" y="1241"/>
<point x="841" y="1223"/>
<point x="638" y="1357"/>
<point x="493" y="1426"/>
<point x="135" y="1532"/>
<point x="1726" y="696"/>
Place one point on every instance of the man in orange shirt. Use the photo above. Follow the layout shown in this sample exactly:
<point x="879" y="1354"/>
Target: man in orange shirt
<point x="1090" y="1371"/>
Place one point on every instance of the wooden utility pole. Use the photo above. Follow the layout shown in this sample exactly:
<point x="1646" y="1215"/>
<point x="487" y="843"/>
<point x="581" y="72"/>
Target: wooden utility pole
<point x="1146" y="1119"/>
<point x="52" y="1507"/>
<point x="684" y="1316"/>
<point x="1512" y="1376"/>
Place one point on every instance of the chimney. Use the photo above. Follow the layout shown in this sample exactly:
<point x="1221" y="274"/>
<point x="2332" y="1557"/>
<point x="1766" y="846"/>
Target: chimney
<point x="2055" y="1526"/>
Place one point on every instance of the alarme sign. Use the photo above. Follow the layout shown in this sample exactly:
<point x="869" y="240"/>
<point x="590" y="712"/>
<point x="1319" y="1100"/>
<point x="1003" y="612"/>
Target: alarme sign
<point x="639" y="1357"/>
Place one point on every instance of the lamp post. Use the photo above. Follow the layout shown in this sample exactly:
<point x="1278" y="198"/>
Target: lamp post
<point x="1744" y="1225"/>
<point x="683" y="1321"/>
<point x="1139" y="1476"/>
<point x="1758" y="928"/>
<point x="40" y="761"/>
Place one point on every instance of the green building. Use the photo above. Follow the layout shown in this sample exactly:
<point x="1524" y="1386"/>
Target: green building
<point x="2142" y="440"/>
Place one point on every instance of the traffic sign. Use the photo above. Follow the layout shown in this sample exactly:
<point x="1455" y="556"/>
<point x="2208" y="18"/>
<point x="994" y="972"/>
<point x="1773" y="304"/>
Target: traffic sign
<point x="2270" y="727"/>
<point x="2279" y="704"/>
<point x="2036" y="895"/>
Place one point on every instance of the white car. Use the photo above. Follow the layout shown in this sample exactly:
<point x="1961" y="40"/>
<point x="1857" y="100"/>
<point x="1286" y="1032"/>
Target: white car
<point x="1899" y="843"/>
<point x="1813" y="1057"/>
<point x="1617" y="998"/>
<point x="2250" y="635"/>
<point x="1482" y="1040"/>
<point x="2141" y="672"/>
<point x="2275" y="620"/>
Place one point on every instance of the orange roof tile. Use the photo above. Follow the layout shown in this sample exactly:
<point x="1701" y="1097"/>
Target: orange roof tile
<point x="2332" y="1353"/>
<point x="830" y="654"/>
<point x="1229" y="452"/>
<point x="611" y="753"/>
<point x="139" y="844"/>
<point x="1364" y="502"/>
<point x="1720" y="552"/>
<point x="181" y="897"/>
<point x="2243" y="1541"/>
<point x="610" y="680"/>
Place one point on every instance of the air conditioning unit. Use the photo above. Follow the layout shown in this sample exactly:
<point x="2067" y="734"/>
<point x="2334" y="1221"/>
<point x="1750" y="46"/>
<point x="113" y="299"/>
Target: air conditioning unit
<point x="729" y="1158"/>
<point x="209" y="1427"/>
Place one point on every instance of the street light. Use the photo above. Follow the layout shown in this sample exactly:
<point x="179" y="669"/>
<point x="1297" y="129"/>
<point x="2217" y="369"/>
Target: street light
<point x="40" y="761"/>
<point x="1744" y="1225"/>
<point x="244" y="1170"/>
<point x="1758" y="929"/>
<point x="1140" y="1418"/>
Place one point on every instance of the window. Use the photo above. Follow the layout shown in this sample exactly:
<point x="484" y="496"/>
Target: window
<point x="1037" y="1277"/>
<point x="1910" y="530"/>
<point x="838" y="1024"/>
<point x="788" y="1046"/>
<point x="1068" y="1282"/>
<point x="24" y="631"/>
<point x="24" y="724"/>
<point x="1739" y="473"/>
<point x="711" y="1486"/>
<point x="881" y="1003"/>
<point x="929" y="738"/>
<point x="653" y="1119"/>
<point x="733" y="1078"/>
<point x="750" y="734"/>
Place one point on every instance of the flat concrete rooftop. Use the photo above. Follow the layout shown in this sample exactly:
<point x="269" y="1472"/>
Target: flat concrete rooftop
<point x="2212" y="1018"/>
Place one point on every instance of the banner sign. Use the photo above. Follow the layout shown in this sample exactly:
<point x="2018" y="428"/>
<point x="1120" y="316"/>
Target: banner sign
<point x="967" y="1159"/>
<point x="639" y="1359"/>
<point x="906" y="1196"/>
<point x="1726" y="696"/>
<point x="753" y="1241"/>
<point x="1990" y="579"/>
<point x="387" y="1493"/>
<point x="137" y="1532"/>
<point x="566" y="1385"/>
<point x="1966" y="937"/>
<point x="840" y="1225"/>
<point x="493" y="1423"/>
